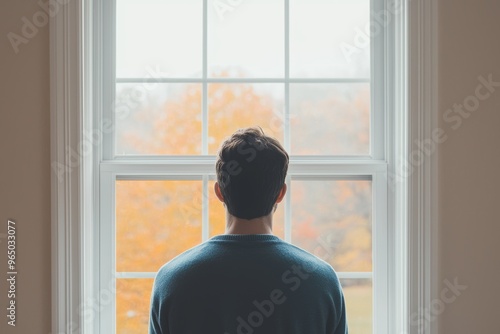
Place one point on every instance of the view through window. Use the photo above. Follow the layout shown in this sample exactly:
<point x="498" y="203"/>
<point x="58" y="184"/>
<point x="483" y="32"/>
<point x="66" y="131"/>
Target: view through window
<point x="191" y="72"/>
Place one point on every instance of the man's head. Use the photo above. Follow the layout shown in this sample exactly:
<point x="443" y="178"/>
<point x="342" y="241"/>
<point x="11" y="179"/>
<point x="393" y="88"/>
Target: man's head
<point x="251" y="169"/>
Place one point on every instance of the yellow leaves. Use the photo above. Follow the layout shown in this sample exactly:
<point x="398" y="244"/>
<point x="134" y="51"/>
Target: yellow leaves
<point x="132" y="306"/>
<point x="306" y="229"/>
<point x="234" y="106"/>
<point x="147" y="209"/>
<point x="354" y="253"/>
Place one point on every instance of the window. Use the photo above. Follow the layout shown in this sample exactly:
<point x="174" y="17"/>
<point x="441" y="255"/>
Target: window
<point x="187" y="75"/>
<point x="140" y="78"/>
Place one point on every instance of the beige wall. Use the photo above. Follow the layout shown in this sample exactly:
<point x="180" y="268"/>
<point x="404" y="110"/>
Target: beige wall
<point x="24" y="168"/>
<point x="470" y="166"/>
<point x="469" y="161"/>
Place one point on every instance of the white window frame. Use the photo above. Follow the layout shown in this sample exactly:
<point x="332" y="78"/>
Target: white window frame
<point x="409" y="42"/>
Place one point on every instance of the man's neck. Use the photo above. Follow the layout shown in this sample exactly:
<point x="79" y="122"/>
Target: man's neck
<point x="261" y="225"/>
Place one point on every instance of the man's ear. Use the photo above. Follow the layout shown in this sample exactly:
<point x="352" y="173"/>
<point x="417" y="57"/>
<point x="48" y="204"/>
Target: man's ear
<point x="282" y="193"/>
<point x="218" y="193"/>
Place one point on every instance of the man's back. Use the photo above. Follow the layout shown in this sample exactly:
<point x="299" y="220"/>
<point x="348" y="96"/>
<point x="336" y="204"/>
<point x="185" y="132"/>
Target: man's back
<point x="242" y="284"/>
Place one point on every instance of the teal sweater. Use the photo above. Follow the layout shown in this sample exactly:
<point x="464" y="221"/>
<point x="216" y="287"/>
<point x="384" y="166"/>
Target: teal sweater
<point x="247" y="284"/>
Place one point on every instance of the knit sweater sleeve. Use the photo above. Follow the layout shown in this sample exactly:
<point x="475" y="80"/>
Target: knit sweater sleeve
<point x="340" y="326"/>
<point x="155" y="325"/>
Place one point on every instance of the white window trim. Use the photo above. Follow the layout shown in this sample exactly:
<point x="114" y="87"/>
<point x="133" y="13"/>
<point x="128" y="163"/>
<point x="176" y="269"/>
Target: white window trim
<point x="73" y="203"/>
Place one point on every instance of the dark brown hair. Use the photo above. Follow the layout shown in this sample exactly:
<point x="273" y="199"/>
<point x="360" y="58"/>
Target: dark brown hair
<point x="251" y="169"/>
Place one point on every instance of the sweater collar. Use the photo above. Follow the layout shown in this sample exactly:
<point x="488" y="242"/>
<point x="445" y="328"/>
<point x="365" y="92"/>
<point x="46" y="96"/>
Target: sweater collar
<point x="246" y="237"/>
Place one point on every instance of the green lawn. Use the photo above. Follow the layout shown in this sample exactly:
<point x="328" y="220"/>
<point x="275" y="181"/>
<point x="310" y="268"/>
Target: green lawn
<point x="359" y="308"/>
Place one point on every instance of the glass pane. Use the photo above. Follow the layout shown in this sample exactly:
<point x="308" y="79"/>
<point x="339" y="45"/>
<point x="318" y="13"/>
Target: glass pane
<point x="330" y="119"/>
<point x="332" y="219"/>
<point x="132" y="305"/>
<point x="234" y="106"/>
<point x="159" y="38"/>
<point x="358" y="295"/>
<point x="246" y="38"/>
<point x="155" y="221"/>
<point x="330" y="38"/>
<point x="217" y="215"/>
<point x="154" y="118"/>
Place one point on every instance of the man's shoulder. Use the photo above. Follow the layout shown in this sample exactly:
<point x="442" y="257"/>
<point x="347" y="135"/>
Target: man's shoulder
<point x="171" y="274"/>
<point x="313" y="263"/>
<point x="186" y="258"/>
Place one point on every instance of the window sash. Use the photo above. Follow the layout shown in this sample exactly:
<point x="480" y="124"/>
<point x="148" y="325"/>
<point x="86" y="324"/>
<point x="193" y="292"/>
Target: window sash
<point x="379" y="232"/>
<point x="377" y="120"/>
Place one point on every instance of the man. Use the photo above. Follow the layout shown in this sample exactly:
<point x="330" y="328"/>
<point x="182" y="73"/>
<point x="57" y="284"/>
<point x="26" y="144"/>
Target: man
<point x="248" y="280"/>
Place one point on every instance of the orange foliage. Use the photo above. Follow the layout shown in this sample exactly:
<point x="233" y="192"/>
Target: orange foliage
<point x="157" y="220"/>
